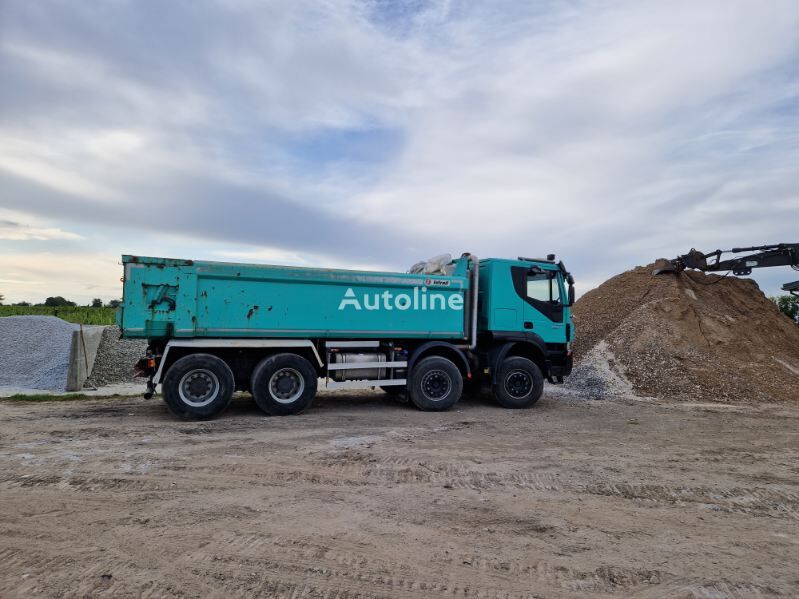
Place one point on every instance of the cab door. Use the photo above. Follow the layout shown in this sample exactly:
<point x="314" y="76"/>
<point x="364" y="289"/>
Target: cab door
<point x="543" y="302"/>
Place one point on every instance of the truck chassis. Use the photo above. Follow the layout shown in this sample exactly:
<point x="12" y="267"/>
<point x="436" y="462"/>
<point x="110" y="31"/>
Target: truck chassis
<point x="198" y="376"/>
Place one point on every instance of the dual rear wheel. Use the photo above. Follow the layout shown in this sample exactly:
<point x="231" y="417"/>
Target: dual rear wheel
<point x="283" y="384"/>
<point x="200" y="386"/>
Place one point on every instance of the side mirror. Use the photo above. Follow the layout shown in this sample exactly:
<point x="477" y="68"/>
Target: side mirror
<point x="571" y="294"/>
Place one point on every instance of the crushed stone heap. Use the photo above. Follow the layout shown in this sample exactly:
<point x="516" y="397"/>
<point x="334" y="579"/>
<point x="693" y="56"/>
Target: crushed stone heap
<point x="115" y="360"/>
<point x="689" y="336"/>
<point x="34" y="352"/>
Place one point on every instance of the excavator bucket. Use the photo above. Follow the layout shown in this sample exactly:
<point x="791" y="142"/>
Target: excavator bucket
<point x="663" y="266"/>
<point x="693" y="259"/>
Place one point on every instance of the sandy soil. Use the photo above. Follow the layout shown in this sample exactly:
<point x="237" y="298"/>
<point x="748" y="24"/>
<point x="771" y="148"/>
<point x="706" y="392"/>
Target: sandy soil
<point x="362" y="497"/>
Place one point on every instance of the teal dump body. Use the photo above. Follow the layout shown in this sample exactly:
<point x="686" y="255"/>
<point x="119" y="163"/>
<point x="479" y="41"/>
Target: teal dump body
<point x="165" y="298"/>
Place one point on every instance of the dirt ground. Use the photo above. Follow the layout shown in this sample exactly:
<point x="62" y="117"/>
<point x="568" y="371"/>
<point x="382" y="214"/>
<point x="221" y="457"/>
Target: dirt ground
<point x="361" y="497"/>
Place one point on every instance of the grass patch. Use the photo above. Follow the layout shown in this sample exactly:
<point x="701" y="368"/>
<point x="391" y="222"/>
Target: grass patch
<point x="65" y="397"/>
<point x="46" y="397"/>
<point x="74" y="314"/>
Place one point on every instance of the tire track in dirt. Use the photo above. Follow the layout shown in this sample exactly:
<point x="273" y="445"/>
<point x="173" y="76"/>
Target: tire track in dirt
<point x="399" y="470"/>
<point x="757" y="501"/>
<point x="110" y="575"/>
<point x="605" y="579"/>
<point x="390" y="471"/>
<point x="372" y="470"/>
<point x="78" y="484"/>
<point x="476" y="576"/>
<point x="704" y="589"/>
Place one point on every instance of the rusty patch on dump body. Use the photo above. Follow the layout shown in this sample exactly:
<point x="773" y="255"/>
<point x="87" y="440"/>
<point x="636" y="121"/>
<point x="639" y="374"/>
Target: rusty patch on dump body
<point x="251" y="312"/>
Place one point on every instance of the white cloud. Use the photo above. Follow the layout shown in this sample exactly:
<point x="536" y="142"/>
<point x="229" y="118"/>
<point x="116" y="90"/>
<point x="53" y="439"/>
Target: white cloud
<point x="15" y="226"/>
<point x="15" y="232"/>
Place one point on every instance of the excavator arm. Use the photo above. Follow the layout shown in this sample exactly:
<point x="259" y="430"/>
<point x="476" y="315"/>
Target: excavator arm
<point x="762" y="256"/>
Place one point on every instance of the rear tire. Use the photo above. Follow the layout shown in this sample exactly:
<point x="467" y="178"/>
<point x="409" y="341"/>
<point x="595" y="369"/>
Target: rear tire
<point x="436" y="384"/>
<point x="198" y="386"/>
<point x="519" y="383"/>
<point x="283" y="384"/>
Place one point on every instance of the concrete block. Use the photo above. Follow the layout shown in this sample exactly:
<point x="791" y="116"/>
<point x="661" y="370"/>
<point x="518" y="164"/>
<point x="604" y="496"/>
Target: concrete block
<point x="83" y="352"/>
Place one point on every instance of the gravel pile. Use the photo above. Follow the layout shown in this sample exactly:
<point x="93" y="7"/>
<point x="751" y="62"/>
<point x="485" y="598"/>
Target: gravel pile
<point x="598" y="375"/>
<point x="115" y="359"/>
<point x="34" y="352"/>
<point x="684" y="336"/>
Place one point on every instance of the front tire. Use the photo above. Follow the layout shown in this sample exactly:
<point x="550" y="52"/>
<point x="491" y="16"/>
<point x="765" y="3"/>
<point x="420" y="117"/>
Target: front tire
<point x="436" y="384"/>
<point x="519" y="383"/>
<point x="198" y="386"/>
<point x="283" y="384"/>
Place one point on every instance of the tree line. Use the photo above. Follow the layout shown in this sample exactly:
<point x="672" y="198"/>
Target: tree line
<point x="61" y="302"/>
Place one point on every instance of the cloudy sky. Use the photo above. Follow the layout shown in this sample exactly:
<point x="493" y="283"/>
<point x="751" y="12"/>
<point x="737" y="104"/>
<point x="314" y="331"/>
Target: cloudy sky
<point x="373" y="133"/>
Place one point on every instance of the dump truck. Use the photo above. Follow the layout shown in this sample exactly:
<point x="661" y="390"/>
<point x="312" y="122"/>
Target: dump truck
<point x="281" y="332"/>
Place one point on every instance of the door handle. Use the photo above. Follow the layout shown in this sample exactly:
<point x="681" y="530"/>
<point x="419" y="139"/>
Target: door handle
<point x="528" y="324"/>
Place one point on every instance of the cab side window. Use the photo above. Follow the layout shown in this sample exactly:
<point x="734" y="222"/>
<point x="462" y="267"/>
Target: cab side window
<point x="543" y="287"/>
<point x="539" y="289"/>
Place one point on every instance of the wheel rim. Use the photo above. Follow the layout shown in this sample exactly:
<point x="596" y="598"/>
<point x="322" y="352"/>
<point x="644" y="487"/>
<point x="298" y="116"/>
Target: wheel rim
<point x="436" y="385"/>
<point x="198" y="388"/>
<point x="518" y="383"/>
<point x="286" y="385"/>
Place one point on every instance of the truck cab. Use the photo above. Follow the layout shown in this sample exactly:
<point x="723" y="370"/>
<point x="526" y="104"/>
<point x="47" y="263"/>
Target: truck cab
<point x="525" y="296"/>
<point x="525" y="309"/>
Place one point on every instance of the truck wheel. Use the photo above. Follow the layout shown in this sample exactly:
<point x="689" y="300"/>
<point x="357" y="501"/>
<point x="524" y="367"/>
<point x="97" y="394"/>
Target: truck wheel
<point x="283" y="384"/>
<point x="519" y="383"/>
<point x="198" y="386"/>
<point x="436" y="384"/>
